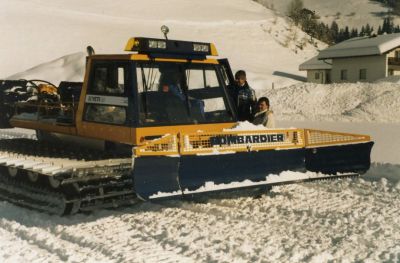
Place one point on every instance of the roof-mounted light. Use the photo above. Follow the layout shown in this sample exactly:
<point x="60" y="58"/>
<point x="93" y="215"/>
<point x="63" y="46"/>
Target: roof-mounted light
<point x="171" y="48"/>
<point x="201" y="48"/>
<point x="165" y="31"/>
<point x="158" y="44"/>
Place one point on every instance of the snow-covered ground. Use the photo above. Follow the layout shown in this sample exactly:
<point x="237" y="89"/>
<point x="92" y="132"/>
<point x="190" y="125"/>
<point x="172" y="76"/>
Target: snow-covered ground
<point x="351" y="220"/>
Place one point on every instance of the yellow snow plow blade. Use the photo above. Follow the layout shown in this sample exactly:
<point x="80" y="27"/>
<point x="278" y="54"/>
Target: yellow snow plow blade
<point x="183" y="162"/>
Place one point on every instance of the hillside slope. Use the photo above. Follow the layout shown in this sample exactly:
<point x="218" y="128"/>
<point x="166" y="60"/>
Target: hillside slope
<point x="354" y="14"/>
<point x="250" y="35"/>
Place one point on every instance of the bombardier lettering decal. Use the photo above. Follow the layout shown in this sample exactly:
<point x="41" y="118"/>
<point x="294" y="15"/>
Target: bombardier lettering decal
<point x="246" y="139"/>
<point x="108" y="100"/>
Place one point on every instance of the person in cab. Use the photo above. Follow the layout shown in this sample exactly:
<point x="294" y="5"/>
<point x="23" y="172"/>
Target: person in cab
<point x="264" y="116"/>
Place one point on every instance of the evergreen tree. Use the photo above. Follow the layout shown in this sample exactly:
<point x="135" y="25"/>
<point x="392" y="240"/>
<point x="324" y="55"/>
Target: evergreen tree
<point x="294" y="10"/>
<point x="362" y="32"/>
<point x="368" y="30"/>
<point x="334" y="31"/>
<point x="354" y="32"/>
<point x="380" y="31"/>
<point x="346" y="34"/>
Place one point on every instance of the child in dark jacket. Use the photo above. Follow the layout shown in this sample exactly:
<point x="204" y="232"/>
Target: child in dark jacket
<point x="244" y="97"/>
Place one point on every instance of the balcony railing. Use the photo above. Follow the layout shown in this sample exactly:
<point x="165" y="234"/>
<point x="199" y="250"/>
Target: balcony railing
<point x="394" y="61"/>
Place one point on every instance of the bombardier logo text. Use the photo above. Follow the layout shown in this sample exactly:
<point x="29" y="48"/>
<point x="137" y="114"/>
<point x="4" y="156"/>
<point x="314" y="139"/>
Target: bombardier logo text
<point x="245" y="139"/>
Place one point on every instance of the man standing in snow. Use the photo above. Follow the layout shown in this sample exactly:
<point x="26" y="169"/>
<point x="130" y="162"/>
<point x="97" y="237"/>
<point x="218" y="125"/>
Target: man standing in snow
<point x="244" y="97"/>
<point x="264" y="115"/>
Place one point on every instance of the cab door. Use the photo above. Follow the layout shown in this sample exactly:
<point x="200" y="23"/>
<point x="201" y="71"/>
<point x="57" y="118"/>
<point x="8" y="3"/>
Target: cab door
<point x="229" y="80"/>
<point x="108" y="105"/>
<point x="227" y="72"/>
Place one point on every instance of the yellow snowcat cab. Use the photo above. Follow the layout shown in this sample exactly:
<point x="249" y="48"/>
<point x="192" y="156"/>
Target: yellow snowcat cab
<point x="163" y="116"/>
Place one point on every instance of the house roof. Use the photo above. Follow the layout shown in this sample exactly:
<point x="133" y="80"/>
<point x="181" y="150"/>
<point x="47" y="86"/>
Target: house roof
<point x="314" y="63"/>
<point x="362" y="46"/>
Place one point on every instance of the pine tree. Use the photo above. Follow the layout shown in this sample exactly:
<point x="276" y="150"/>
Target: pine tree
<point x="362" y="32"/>
<point x="354" y="32"/>
<point x="294" y="10"/>
<point x="368" y="30"/>
<point x="380" y="31"/>
<point x="346" y="34"/>
<point x="334" y="31"/>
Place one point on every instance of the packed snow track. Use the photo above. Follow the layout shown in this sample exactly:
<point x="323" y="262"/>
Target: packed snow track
<point x="346" y="220"/>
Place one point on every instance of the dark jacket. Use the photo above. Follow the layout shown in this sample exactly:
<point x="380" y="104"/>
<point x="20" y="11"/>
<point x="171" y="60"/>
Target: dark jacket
<point x="245" y="101"/>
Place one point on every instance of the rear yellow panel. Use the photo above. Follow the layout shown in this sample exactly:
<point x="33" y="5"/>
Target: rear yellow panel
<point x="102" y="131"/>
<point x="43" y="126"/>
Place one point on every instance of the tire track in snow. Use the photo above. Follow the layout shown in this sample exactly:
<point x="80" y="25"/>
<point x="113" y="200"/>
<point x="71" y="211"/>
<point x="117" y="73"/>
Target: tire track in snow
<point x="56" y="246"/>
<point x="70" y="239"/>
<point x="124" y="243"/>
<point x="331" y="210"/>
<point x="11" y="250"/>
<point x="204" y="243"/>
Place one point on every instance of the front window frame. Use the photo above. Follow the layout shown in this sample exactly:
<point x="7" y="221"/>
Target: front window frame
<point x="184" y="66"/>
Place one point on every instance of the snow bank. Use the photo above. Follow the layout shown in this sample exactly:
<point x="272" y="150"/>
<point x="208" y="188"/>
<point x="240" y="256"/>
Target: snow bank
<point x="358" y="102"/>
<point x="69" y="67"/>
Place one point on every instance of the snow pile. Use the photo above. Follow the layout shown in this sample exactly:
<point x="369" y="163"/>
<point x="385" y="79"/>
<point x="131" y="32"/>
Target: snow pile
<point x="246" y="126"/>
<point x="285" y="176"/>
<point x="360" y="102"/>
<point x="70" y="67"/>
<point x="391" y="79"/>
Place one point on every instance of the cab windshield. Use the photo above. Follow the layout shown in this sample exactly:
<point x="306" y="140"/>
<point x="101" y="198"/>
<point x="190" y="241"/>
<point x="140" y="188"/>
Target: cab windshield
<point x="171" y="93"/>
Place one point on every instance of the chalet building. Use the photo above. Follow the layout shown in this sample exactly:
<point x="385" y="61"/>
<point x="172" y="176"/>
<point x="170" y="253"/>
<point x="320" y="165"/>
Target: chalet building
<point x="361" y="59"/>
<point x="318" y="71"/>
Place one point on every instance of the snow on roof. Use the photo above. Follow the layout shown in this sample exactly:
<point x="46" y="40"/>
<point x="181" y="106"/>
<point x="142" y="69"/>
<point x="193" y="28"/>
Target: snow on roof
<point x="314" y="63"/>
<point x="362" y="46"/>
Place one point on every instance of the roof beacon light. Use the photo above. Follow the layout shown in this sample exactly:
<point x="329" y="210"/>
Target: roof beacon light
<point x="163" y="48"/>
<point x="157" y="44"/>
<point x="201" y="47"/>
<point x="165" y="31"/>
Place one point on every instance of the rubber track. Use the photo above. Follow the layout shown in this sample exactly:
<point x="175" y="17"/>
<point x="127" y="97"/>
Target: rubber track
<point x="38" y="198"/>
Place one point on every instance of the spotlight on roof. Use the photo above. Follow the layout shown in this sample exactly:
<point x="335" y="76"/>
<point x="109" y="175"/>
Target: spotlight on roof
<point x="165" y="31"/>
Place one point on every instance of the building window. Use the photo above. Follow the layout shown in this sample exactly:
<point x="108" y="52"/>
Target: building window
<point x="363" y="74"/>
<point x="343" y="74"/>
<point x="316" y="75"/>
<point x="397" y="55"/>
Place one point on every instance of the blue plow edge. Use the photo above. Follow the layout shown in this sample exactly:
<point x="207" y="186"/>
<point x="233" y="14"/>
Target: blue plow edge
<point x="162" y="174"/>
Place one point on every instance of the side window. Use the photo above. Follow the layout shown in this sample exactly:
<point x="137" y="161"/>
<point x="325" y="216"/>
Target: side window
<point x="201" y="78"/>
<point x="343" y="74"/>
<point x="108" y="79"/>
<point x="106" y="114"/>
<point x="207" y="80"/>
<point x="363" y="74"/>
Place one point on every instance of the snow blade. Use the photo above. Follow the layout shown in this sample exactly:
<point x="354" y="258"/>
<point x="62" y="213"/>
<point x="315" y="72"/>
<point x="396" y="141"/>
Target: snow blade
<point x="154" y="174"/>
<point x="352" y="158"/>
<point x="212" y="163"/>
<point x="196" y="171"/>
